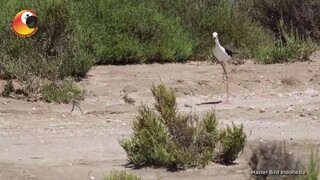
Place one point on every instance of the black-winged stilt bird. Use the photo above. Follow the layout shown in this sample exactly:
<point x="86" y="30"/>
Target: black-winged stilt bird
<point x="223" y="55"/>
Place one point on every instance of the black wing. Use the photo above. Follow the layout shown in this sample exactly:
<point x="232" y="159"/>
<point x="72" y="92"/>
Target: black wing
<point x="230" y="53"/>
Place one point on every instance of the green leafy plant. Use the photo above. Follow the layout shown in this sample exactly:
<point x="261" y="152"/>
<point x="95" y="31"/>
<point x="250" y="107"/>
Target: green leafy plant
<point x="166" y="138"/>
<point x="123" y="175"/>
<point x="60" y="92"/>
<point x="293" y="47"/>
<point x="232" y="141"/>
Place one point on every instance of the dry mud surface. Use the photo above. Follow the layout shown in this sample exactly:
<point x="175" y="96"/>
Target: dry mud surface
<point x="46" y="142"/>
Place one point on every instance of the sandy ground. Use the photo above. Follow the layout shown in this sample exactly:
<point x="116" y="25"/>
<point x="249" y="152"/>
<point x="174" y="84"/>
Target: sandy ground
<point x="46" y="142"/>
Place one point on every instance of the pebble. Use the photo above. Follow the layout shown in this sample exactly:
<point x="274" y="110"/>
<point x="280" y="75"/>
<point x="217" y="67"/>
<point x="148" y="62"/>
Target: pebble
<point x="302" y="115"/>
<point x="288" y="109"/>
<point x="63" y="116"/>
<point x="314" y="117"/>
<point x="250" y="108"/>
<point x="34" y="108"/>
<point x="92" y="177"/>
<point x="123" y="124"/>
<point x="262" y="110"/>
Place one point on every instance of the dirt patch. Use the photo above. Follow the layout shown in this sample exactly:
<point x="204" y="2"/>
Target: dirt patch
<point x="290" y="81"/>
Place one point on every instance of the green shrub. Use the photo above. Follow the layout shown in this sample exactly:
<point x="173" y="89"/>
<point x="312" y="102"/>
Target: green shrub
<point x="292" y="48"/>
<point x="135" y="31"/>
<point x="119" y="32"/>
<point x="303" y="15"/>
<point x="293" y="24"/>
<point x="53" y="52"/>
<point x="203" y="17"/>
<point x="60" y="92"/>
<point x="232" y="142"/>
<point x="121" y="175"/>
<point x="168" y="139"/>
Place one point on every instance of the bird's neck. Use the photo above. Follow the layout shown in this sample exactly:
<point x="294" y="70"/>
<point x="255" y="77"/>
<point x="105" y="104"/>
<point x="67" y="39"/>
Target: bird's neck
<point x="217" y="42"/>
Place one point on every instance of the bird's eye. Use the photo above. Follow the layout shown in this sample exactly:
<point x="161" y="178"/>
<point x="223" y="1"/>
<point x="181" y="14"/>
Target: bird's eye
<point x="24" y="16"/>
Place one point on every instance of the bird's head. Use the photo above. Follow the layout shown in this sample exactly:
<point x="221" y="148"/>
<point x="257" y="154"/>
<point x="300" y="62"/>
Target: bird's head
<point x="215" y="35"/>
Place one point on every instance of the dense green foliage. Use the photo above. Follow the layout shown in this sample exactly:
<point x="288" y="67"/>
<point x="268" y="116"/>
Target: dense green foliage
<point x="73" y="32"/>
<point x="55" y="51"/>
<point x="74" y="35"/>
<point x="166" y="138"/>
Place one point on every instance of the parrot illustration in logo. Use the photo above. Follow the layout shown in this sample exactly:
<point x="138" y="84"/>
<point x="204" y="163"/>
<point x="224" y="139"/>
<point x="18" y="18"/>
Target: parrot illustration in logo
<point x="25" y="23"/>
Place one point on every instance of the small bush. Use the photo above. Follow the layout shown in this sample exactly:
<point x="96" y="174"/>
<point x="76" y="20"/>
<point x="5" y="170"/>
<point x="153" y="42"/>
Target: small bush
<point x="295" y="48"/>
<point x="168" y="139"/>
<point x="232" y="142"/>
<point x="121" y="175"/>
<point x="60" y="92"/>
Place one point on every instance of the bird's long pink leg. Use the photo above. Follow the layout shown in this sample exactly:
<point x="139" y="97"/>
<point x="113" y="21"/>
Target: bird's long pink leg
<point x="227" y="90"/>
<point x="227" y="102"/>
<point x="223" y="64"/>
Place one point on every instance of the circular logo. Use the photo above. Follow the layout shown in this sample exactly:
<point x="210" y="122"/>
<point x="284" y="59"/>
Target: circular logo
<point x="25" y="24"/>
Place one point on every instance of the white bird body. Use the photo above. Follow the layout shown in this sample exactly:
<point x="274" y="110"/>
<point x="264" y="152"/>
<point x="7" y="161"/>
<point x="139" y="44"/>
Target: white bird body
<point x="223" y="55"/>
<point x="220" y="52"/>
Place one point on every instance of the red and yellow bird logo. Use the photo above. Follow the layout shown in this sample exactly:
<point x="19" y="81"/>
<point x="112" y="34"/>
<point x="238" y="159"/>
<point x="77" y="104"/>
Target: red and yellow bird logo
<point x="25" y="23"/>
